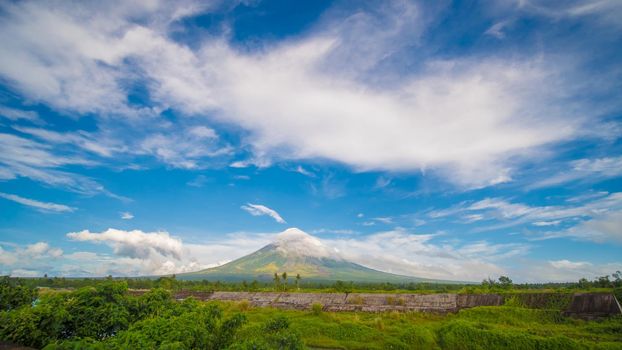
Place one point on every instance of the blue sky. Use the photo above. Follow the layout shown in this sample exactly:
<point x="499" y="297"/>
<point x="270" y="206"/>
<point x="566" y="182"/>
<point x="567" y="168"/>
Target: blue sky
<point x="454" y="140"/>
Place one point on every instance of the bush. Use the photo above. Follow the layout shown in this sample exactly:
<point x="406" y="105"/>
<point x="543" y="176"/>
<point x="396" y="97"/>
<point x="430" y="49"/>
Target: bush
<point x="418" y="337"/>
<point x="244" y="305"/>
<point x="317" y="308"/>
<point x="275" y="334"/>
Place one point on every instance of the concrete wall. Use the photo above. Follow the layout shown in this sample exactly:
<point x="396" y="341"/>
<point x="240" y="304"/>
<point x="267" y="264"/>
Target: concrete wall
<point x="586" y="305"/>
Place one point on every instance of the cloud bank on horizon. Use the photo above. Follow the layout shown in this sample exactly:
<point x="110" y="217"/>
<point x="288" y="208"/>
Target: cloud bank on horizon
<point x="445" y="140"/>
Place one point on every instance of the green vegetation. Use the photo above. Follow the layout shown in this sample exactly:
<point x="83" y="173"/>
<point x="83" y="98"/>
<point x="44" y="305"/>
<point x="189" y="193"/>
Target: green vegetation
<point x="106" y="316"/>
<point x="280" y="282"/>
<point x="103" y="314"/>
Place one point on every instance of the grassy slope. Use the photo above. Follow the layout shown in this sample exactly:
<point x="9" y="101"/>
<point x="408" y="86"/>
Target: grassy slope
<point x="478" y="328"/>
<point x="262" y="264"/>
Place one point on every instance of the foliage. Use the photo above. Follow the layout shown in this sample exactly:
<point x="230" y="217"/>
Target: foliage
<point x="13" y="294"/>
<point x="316" y="308"/>
<point x="106" y="315"/>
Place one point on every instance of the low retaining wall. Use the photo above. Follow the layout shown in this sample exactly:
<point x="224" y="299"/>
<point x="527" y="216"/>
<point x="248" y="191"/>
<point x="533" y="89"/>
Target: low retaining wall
<point x="582" y="305"/>
<point x="591" y="306"/>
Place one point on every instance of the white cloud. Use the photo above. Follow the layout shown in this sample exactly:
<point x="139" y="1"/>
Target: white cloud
<point x="19" y="114"/>
<point x="401" y="252"/>
<point x="25" y="273"/>
<point x="44" y="206"/>
<point x="587" y="170"/>
<point x="606" y="227"/>
<point x="566" y="264"/>
<point x="184" y="150"/>
<point x="605" y="12"/>
<point x="547" y="223"/>
<point x="301" y="170"/>
<point x="203" y="132"/>
<point x="258" y="210"/>
<point x="126" y="215"/>
<point x="496" y="30"/>
<point x="564" y="270"/>
<point x="135" y="243"/>
<point x="316" y="96"/>
<point x="334" y="231"/>
<point x="591" y="217"/>
<point x="21" y="157"/>
<point x="198" y="181"/>
<point x="29" y="260"/>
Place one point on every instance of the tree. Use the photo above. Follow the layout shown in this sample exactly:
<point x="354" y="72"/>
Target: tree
<point x="617" y="278"/>
<point x="488" y="283"/>
<point x="277" y="281"/>
<point x="505" y="282"/>
<point x="298" y="281"/>
<point x="284" y="275"/>
<point x="603" y="282"/>
<point x="14" y="295"/>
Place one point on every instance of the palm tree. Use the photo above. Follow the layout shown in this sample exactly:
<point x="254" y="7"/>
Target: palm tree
<point x="284" y="275"/>
<point x="276" y="281"/>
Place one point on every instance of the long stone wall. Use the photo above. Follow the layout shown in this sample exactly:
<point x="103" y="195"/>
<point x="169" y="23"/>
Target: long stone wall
<point x="585" y="305"/>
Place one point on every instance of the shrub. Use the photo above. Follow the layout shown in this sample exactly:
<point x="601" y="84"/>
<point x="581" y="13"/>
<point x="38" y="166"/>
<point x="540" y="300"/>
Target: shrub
<point x="378" y="323"/>
<point x="244" y="305"/>
<point x="418" y="337"/>
<point x="276" y="324"/>
<point x="317" y="308"/>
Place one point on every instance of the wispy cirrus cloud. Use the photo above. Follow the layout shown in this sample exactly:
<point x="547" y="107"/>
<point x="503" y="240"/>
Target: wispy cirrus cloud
<point x="259" y="210"/>
<point x="585" y="170"/>
<point x="594" y="217"/>
<point x="43" y="206"/>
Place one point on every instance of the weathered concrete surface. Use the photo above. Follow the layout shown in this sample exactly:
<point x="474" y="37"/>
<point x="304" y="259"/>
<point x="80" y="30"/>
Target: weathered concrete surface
<point x="472" y="300"/>
<point x="583" y="305"/>
<point x="593" y="305"/>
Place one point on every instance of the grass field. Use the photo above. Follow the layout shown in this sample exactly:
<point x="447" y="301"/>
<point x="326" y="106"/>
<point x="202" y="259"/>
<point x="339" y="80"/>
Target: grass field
<point x="504" y="327"/>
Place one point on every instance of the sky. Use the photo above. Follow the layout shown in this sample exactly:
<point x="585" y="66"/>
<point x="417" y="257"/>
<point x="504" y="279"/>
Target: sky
<point x="451" y="140"/>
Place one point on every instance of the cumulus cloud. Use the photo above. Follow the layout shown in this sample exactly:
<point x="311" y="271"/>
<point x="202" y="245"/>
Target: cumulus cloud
<point x="127" y="215"/>
<point x="133" y="244"/>
<point x="43" y="206"/>
<point x="28" y="260"/>
<point x="259" y="210"/>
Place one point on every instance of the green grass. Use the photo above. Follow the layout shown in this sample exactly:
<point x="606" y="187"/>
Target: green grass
<point x="503" y="327"/>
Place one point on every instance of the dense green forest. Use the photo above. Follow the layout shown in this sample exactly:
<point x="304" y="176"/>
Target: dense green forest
<point x="101" y="314"/>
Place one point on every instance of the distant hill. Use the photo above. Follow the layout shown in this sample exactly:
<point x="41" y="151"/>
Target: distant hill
<point x="297" y="252"/>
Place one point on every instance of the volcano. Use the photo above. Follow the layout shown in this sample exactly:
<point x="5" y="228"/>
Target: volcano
<point x="297" y="252"/>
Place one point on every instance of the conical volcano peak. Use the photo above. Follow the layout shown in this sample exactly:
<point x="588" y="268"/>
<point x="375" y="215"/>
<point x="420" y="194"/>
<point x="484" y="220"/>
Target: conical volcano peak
<point x="297" y="252"/>
<point x="294" y="242"/>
